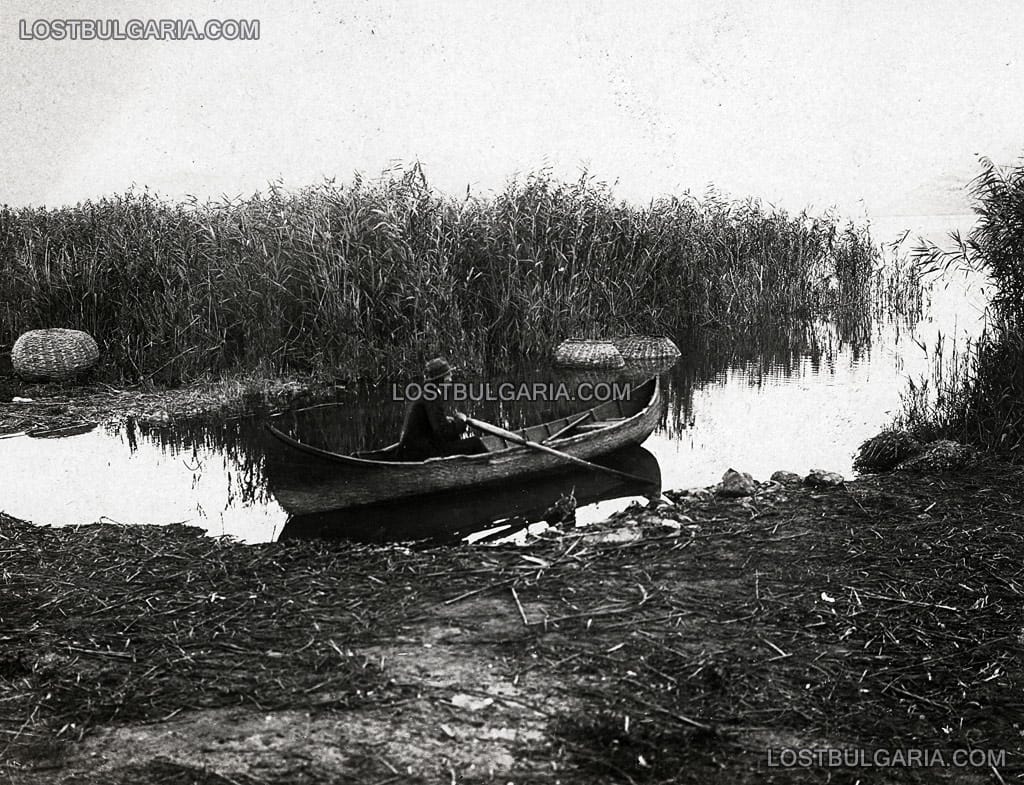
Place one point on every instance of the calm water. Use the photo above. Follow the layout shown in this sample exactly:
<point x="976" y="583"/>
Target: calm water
<point x="777" y="398"/>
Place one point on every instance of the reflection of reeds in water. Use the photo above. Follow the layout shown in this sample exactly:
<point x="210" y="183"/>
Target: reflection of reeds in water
<point x="763" y="353"/>
<point x="371" y="417"/>
<point x="236" y="443"/>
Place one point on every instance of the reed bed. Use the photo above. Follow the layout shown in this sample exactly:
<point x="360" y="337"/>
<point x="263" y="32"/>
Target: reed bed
<point x="973" y="393"/>
<point x="881" y="615"/>
<point x="976" y="394"/>
<point x="371" y="277"/>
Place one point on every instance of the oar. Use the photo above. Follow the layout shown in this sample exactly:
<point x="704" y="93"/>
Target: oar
<point x="494" y="430"/>
<point x="572" y="424"/>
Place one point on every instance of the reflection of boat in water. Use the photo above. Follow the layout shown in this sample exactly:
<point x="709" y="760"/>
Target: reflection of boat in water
<point x="454" y="515"/>
<point x="307" y="479"/>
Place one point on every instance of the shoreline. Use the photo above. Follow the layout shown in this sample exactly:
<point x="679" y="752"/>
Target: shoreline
<point x="676" y="643"/>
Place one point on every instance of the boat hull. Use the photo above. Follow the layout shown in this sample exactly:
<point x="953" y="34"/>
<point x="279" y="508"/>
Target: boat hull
<point x="307" y="480"/>
<point x="453" y="515"/>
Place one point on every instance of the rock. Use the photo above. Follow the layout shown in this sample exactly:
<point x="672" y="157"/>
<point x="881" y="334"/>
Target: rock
<point x="614" y="536"/>
<point x="819" y="478"/>
<point x="884" y="451"/>
<point x="562" y="511"/>
<point x="700" y="494"/>
<point x="786" y="478"/>
<point x="670" y="524"/>
<point x="941" y="456"/>
<point x="650" y="524"/>
<point x="652" y="520"/>
<point x="689" y="494"/>
<point x="736" y="483"/>
<point x="471" y="702"/>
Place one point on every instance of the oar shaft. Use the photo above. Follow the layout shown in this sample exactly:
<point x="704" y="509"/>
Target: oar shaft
<point x="486" y="427"/>
<point x="572" y="424"/>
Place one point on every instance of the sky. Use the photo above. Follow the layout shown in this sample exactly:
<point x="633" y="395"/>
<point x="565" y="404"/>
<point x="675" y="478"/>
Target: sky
<point x="871" y="107"/>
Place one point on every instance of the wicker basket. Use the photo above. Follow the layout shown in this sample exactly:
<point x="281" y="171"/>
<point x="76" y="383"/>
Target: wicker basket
<point x="581" y="353"/>
<point x="645" y="369"/>
<point x="646" y="347"/>
<point x="574" y="377"/>
<point x="53" y="354"/>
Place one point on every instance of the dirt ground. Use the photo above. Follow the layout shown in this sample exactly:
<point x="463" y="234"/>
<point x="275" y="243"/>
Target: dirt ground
<point x="707" y="640"/>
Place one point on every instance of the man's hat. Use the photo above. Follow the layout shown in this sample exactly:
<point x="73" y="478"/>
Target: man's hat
<point x="436" y="369"/>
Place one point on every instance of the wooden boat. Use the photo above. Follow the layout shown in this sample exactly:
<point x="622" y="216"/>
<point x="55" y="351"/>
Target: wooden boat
<point x="307" y="479"/>
<point x="506" y="508"/>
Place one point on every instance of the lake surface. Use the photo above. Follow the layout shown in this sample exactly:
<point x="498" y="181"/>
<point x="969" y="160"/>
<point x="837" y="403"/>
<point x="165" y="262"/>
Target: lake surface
<point x="779" y="397"/>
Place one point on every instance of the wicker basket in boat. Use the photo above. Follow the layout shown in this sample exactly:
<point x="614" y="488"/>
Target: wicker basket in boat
<point x="582" y="353"/>
<point x="646" y="347"/>
<point x="53" y="354"/>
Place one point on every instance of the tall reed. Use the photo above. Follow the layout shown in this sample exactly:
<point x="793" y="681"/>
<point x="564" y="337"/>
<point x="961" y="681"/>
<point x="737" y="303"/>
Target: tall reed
<point x="371" y="277"/>
<point x="979" y="396"/>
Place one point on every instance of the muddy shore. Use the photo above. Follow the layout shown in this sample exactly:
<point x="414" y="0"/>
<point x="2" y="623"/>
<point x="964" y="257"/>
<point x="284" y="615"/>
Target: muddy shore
<point x="689" y="642"/>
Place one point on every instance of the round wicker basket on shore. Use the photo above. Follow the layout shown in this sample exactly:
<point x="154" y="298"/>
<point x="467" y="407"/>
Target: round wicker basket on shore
<point x="647" y="347"/>
<point x="584" y="353"/>
<point x="53" y="354"/>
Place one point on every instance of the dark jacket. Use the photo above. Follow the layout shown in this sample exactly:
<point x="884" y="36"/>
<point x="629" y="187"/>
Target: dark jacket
<point x="428" y="431"/>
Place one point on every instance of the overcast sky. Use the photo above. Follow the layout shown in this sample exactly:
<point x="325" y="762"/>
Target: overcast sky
<point x="884" y="105"/>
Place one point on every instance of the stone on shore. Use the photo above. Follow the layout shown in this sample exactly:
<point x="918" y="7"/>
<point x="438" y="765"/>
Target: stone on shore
<point x="819" y="478"/>
<point x="689" y="494"/>
<point x="786" y="478"/>
<point x="735" y="484"/>
<point x="943" y="455"/>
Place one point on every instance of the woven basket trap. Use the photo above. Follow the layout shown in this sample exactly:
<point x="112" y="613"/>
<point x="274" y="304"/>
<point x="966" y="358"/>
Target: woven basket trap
<point x="580" y="353"/>
<point x="646" y="347"/>
<point x="53" y="354"/>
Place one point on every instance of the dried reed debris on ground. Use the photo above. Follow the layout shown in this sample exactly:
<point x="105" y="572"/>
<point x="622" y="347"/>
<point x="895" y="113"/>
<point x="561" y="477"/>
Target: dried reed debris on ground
<point x="54" y="406"/>
<point x="884" y="614"/>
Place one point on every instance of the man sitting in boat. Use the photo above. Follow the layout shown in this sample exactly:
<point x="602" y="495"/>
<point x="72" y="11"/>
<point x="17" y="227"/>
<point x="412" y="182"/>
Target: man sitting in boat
<point x="428" y="431"/>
